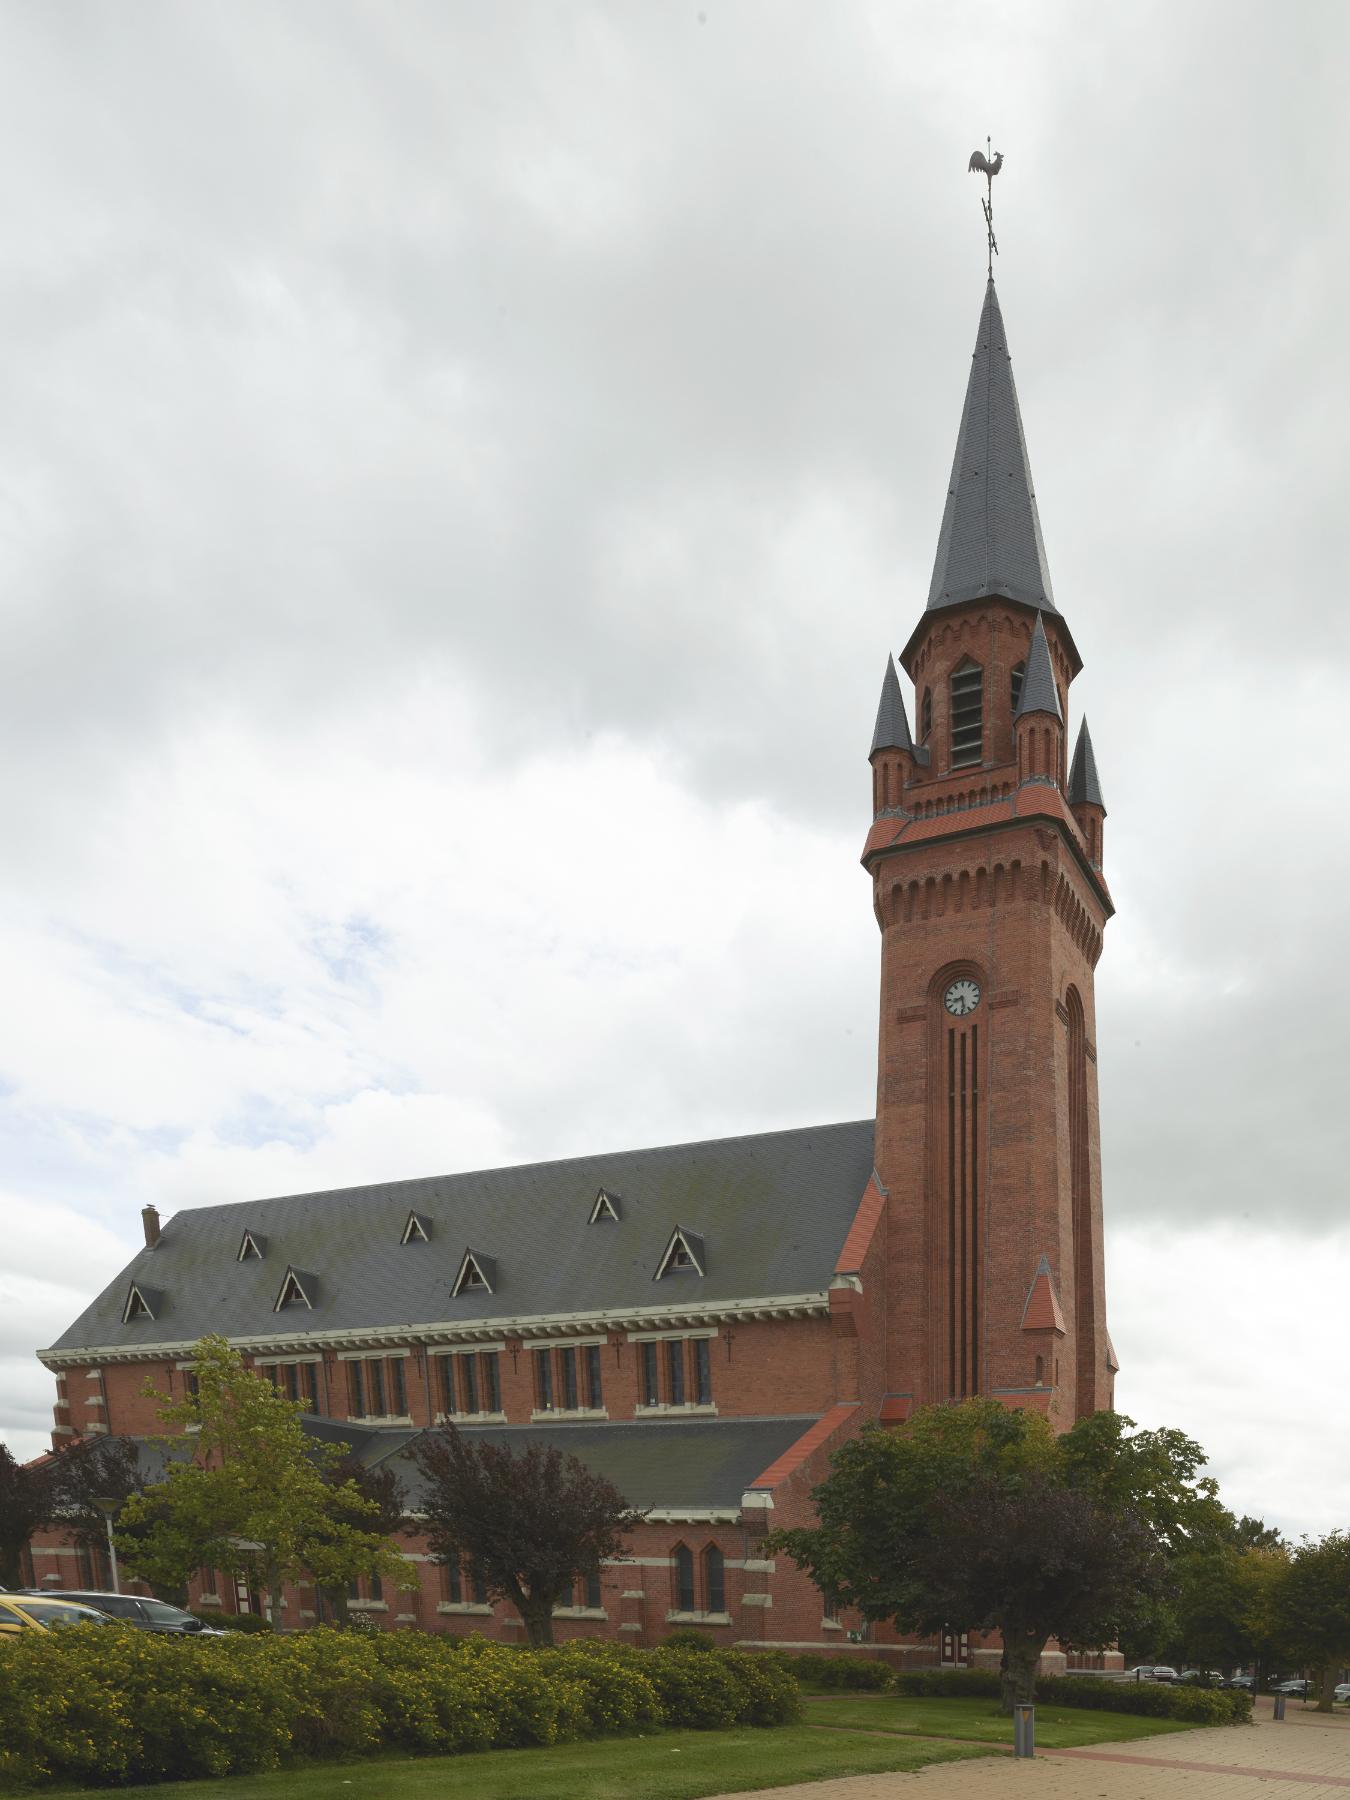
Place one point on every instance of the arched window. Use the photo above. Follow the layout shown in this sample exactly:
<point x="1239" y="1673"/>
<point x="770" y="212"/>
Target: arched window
<point x="714" y="1581"/>
<point x="684" y="1578"/>
<point x="967" y="715"/>
<point x="1019" y="671"/>
<point x="926" y="716"/>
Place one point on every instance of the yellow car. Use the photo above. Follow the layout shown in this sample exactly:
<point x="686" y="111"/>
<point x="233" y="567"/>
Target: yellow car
<point x="35" y="1612"/>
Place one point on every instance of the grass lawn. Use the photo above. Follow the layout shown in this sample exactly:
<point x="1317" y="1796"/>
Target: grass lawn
<point x="672" y="1765"/>
<point x="1057" y="1727"/>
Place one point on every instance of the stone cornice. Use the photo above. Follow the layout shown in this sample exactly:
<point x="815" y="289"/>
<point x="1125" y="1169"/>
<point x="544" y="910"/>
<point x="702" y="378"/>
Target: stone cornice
<point x="542" y="1325"/>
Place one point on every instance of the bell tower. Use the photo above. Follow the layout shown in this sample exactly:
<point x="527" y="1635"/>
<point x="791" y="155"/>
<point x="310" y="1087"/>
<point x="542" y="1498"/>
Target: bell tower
<point x="986" y="861"/>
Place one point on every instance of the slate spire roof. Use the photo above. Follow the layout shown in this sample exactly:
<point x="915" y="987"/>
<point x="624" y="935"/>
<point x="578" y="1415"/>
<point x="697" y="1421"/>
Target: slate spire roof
<point x="1039" y="692"/>
<point x="990" y="542"/>
<point x="1084" y="787"/>
<point x="892" y="732"/>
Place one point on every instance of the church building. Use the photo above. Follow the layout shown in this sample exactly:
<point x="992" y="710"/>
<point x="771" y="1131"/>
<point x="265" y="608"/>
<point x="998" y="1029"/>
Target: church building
<point x="707" y="1323"/>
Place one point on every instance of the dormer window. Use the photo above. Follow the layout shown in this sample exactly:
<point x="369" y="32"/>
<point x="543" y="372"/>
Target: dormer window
<point x="251" y="1247"/>
<point x="416" y="1231"/>
<point x="684" y="1255"/>
<point x="606" y="1207"/>
<point x="967" y="715"/>
<point x="477" y="1275"/>
<point x="140" y="1304"/>
<point x="298" y="1288"/>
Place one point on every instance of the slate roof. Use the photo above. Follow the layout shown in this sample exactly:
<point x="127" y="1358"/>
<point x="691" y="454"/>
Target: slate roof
<point x="1039" y="692"/>
<point x="1084" y="787"/>
<point x="990" y="541"/>
<point x="773" y="1211"/>
<point x="892" y="728"/>
<point x="671" y="1464"/>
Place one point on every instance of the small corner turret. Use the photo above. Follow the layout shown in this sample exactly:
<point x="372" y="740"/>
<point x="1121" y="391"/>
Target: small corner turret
<point x="1085" y="795"/>
<point x="893" y="754"/>
<point x="1038" y="719"/>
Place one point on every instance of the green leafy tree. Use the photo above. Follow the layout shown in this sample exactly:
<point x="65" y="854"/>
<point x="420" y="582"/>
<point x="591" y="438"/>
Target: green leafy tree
<point x="978" y="1518"/>
<point x="245" y="1488"/>
<point x="27" y="1502"/>
<point x="530" y="1523"/>
<point x="1311" y="1609"/>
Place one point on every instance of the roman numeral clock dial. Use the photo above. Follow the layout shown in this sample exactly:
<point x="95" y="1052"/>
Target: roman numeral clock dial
<point x="962" y="997"/>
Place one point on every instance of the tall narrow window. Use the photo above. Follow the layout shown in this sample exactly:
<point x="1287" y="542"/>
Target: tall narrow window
<point x="703" y="1371"/>
<point x="926" y="716"/>
<point x="675" y="1370"/>
<point x="356" y="1392"/>
<point x="567" y="1356"/>
<point x="398" y="1387"/>
<point x="591" y="1592"/>
<point x="477" y="1586"/>
<point x="375" y="1387"/>
<point x="492" y="1390"/>
<point x="651" y="1381"/>
<point x="1015" y="683"/>
<point x="967" y="715"/>
<point x="594" y="1393"/>
<point x="468" y="1383"/>
<point x="452" y="1587"/>
<point x="714" y="1580"/>
<point x="311" y="1385"/>
<point x="543" y="1380"/>
<point x="684" y="1578"/>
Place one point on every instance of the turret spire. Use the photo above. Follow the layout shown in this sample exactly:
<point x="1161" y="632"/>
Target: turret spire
<point x="1039" y="690"/>
<point x="990" y="541"/>
<point x="892" y="732"/>
<point x="1084" y="787"/>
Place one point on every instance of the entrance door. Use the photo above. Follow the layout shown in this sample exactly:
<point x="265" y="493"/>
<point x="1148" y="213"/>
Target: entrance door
<point x="955" y="1649"/>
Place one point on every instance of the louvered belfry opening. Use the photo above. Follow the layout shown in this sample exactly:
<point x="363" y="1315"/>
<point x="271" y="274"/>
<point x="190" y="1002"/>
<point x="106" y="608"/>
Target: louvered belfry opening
<point x="967" y="715"/>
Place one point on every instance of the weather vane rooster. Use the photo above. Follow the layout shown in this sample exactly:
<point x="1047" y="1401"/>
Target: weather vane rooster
<point x="983" y="163"/>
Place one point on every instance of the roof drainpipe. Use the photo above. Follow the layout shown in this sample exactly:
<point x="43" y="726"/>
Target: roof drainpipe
<point x="150" y="1220"/>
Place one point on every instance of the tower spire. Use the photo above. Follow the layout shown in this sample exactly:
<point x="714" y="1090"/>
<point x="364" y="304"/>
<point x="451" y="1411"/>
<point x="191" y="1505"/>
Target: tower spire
<point x="990" y="542"/>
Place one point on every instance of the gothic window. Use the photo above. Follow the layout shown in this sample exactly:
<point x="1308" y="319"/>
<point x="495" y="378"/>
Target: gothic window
<point x="714" y="1581"/>
<point x="926" y="716"/>
<point x="1016" y="684"/>
<point x="967" y="715"/>
<point x="684" y="1579"/>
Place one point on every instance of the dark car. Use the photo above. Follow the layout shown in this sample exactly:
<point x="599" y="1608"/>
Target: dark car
<point x="131" y="1609"/>
<point x="1299" y="1689"/>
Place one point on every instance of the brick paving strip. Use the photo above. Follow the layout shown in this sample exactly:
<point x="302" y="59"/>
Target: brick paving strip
<point x="1202" y="1768"/>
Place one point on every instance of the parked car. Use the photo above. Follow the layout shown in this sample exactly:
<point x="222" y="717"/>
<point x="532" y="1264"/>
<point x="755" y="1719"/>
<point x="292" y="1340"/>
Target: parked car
<point x="1342" y="1690"/>
<point x="1151" y="1672"/>
<point x="1200" y="1677"/>
<point x="39" y="1612"/>
<point x="1246" y="1682"/>
<point x="132" y="1609"/>
<point x="1301" y="1689"/>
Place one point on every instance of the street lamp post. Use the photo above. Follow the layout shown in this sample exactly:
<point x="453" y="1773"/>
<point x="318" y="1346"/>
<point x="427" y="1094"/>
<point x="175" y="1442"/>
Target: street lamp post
<point x="109" y="1508"/>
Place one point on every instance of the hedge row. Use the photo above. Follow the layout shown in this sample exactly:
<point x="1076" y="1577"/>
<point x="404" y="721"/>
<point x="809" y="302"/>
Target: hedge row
<point x="855" y="1672"/>
<point x="116" y="1705"/>
<point x="1155" y="1700"/>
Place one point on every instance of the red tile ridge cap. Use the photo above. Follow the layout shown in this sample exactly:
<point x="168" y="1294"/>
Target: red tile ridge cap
<point x="811" y="1439"/>
<point x="863" y="1229"/>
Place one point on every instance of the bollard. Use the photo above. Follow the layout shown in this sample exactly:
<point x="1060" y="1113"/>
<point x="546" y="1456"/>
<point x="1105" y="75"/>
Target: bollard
<point x="1024" y="1729"/>
<point x="1279" y="1705"/>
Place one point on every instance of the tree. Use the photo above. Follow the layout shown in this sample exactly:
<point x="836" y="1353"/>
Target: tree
<point x="1312" y="1609"/>
<point x="248" y="1490"/>
<point x="978" y="1518"/>
<point x="26" y="1505"/>
<point x="530" y="1523"/>
<point x="381" y="1490"/>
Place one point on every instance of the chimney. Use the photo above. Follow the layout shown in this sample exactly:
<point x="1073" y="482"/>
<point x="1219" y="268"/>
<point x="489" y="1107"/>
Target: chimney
<point x="150" y="1220"/>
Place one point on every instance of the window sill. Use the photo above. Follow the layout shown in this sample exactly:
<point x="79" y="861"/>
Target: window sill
<point x="580" y="1612"/>
<point x="379" y="1418"/>
<point x="478" y="1418"/>
<point x="368" y="1606"/>
<point x="830" y="1625"/>
<point x="538" y="1417"/>
<point x="464" y="1606"/>
<point x="698" y="1618"/>
<point x="703" y="1409"/>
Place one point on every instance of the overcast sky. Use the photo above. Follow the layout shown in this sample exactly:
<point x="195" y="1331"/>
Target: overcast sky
<point x="462" y="469"/>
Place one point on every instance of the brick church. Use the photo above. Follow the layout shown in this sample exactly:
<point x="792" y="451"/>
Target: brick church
<point x="707" y="1323"/>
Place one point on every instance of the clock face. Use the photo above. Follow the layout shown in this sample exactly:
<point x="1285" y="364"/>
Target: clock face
<point x="962" y="997"/>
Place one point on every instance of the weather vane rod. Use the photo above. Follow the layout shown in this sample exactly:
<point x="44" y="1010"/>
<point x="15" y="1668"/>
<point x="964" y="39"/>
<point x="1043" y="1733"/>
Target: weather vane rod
<point x="982" y="163"/>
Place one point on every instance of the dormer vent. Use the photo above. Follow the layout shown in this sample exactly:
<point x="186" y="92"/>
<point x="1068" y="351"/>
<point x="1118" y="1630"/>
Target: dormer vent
<point x="417" y="1230"/>
<point x="477" y="1275"/>
<point x="607" y="1206"/>
<point x="684" y="1255"/>
<point x="141" y="1303"/>
<point x="298" y="1288"/>
<point x="252" y="1246"/>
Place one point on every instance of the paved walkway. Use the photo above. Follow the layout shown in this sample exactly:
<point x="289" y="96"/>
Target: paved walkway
<point x="1306" y="1757"/>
